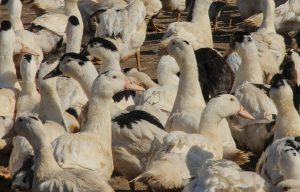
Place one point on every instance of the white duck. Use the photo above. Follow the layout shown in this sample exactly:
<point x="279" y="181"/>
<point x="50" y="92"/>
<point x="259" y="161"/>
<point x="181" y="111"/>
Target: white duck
<point x="14" y="8"/>
<point x="288" y="120"/>
<point x="125" y="27"/>
<point x="190" y="31"/>
<point x="48" y="176"/>
<point x="8" y="80"/>
<point x="180" y="155"/>
<point x="224" y="175"/>
<point x="189" y="102"/>
<point x="286" y="15"/>
<point x="128" y="128"/>
<point x="270" y="45"/>
<point x="50" y="27"/>
<point x="254" y="99"/>
<point x="164" y="95"/>
<point x="177" y="6"/>
<point x="280" y="161"/>
<point x="96" y="131"/>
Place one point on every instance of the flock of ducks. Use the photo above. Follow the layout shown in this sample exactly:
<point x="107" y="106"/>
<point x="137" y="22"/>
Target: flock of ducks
<point x="69" y="125"/>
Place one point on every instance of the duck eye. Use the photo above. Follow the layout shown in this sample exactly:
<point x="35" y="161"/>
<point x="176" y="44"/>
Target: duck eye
<point x="114" y="77"/>
<point x="68" y="60"/>
<point x="231" y="99"/>
<point x="249" y="39"/>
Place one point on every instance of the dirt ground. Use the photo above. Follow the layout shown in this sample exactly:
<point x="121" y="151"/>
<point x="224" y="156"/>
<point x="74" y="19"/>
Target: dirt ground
<point x="228" y="21"/>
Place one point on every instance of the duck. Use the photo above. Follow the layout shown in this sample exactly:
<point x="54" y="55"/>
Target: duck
<point x="101" y="162"/>
<point x="253" y="98"/>
<point x="50" y="28"/>
<point x="282" y="95"/>
<point x="71" y="95"/>
<point x="14" y="8"/>
<point x="215" y="12"/>
<point x="10" y="86"/>
<point x="289" y="185"/>
<point x="290" y="70"/>
<point x="128" y="127"/>
<point x="189" y="30"/>
<point x="163" y="96"/>
<point x="48" y="175"/>
<point x="272" y="165"/>
<point x="229" y="176"/>
<point x="285" y="13"/>
<point x="189" y="102"/>
<point x="126" y="28"/>
<point x="267" y="40"/>
<point x="186" y="153"/>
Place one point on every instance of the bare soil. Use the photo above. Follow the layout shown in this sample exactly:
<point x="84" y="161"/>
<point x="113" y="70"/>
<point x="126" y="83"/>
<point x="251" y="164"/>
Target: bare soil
<point x="149" y="58"/>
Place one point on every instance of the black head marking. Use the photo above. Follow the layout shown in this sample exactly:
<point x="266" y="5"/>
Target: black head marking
<point x="82" y="59"/>
<point x="126" y="69"/>
<point x="33" y="117"/>
<point x="28" y="57"/>
<point x="103" y="43"/>
<point x="292" y="144"/>
<point x="73" y="112"/>
<point x="5" y="25"/>
<point x="297" y="139"/>
<point x="238" y="37"/>
<point x="74" y="20"/>
<point x="186" y="42"/>
<point x="104" y="73"/>
<point x="133" y="117"/>
<point x="277" y="81"/>
<point x="178" y="74"/>
<point x="4" y="2"/>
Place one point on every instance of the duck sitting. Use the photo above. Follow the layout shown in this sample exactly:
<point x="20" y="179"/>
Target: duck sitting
<point x="288" y="119"/>
<point x="48" y="176"/>
<point x="180" y="155"/>
<point x="224" y="175"/>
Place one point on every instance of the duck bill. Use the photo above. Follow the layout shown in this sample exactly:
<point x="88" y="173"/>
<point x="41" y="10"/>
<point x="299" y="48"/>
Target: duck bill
<point x="54" y="73"/>
<point x="27" y="50"/>
<point x="10" y="134"/>
<point x="132" y="86"/>
<point x="245" y="114"/>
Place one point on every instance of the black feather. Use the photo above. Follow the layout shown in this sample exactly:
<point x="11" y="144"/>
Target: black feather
<point x="26" y="172"/>
<point x="123" y="95"/>
<point x="214" y="73"/>
<point x="5" y="25"/>
<point x="27" y="57"/>
<point x="73" y="112"/>
<point x="4" y="2"/>
<point x="277" y="81"/>
<point x="74" y="20"/>
<point x="133" y="117"/>
<point x="238" y="37"/>
<point x="126" y="69"/>
<point x="75" y="56"/>
<point x="103" y="43"/>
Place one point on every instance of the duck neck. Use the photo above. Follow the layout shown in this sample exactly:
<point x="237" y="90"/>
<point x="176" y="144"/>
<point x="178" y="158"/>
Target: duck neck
<point x="268" y="24"/>
<point x="74" y="36"/>
<point x="189" y="91"/>
<point x="71" y="8"/>
<point x="87" y="79"/>
<point x="209" y="126"/>
<point x="8" y="77"/>
<point x="285" y="105"/>
<point x="14" y="8"/>
<point x="45" y="163"/>
<point x="99" y="120"/>
<point x="29" y="87"/>
<point x="110" y="62"/>
<point x="250" y="69"/>
<point x="49" y="97"/>
<point x="201" y="17"/>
